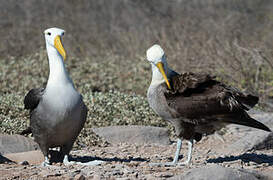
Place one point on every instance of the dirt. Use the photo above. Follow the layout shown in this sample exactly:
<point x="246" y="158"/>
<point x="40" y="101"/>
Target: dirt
<point x="129" y="161"/>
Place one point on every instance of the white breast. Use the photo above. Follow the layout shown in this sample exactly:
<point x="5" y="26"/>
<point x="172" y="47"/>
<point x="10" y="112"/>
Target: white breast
<point x="61" y="97"/>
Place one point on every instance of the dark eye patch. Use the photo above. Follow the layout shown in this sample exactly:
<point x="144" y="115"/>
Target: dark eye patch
<point x="49" y="33"/>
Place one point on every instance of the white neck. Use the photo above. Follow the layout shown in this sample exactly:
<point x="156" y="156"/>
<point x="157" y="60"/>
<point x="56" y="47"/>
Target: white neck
<point x="57" y="72"/>
<point x="157" y="77"/>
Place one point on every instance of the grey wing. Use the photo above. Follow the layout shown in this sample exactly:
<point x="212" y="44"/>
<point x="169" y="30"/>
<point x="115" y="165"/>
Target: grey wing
<point x="83" y="115"/>
<point x="31" y="101"/>
<point x="33" y="98"/>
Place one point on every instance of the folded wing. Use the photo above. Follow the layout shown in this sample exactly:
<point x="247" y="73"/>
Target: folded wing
<point x="200" y="99"/>
<point x="33" y="98"/>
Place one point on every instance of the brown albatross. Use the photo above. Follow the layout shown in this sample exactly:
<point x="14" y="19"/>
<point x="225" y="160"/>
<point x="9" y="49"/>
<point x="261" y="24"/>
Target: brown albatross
<point x="195" y="103"/>
<point x="57" y="112"/>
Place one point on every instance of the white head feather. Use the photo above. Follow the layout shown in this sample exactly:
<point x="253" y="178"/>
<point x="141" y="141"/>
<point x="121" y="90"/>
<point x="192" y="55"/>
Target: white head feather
<point x="155" y="54"/>
<point x="51" y="33"/>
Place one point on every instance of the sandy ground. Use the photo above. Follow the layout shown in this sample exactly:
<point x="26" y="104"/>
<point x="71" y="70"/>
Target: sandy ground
<point x="129" y="161"/>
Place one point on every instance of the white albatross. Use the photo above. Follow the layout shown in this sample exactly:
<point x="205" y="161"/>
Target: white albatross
<point x="57" y="113"/>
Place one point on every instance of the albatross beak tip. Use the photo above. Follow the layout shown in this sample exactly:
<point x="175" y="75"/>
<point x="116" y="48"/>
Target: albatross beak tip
<point x="162" y="71"/>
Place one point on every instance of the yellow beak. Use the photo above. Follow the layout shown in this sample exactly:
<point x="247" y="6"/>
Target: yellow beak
<point x="59" y="46"/>
<point x="161" y="69"/>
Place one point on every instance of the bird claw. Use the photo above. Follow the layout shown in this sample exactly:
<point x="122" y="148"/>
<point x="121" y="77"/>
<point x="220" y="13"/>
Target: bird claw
<point x="185" y="163"/>
<point x="67" y="163"/>
<point x="169" y="164"/>
<point x="45" y="164"/>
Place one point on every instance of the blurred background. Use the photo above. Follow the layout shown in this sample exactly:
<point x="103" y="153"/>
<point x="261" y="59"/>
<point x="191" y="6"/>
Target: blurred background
<point x="106" y="42"/>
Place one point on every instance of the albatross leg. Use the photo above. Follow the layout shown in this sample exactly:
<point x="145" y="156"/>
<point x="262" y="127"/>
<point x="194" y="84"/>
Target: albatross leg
<point x="176" y="156"/>
<point x="66" y="149"/>
<point x="177" y="152"/>
<point x="90" y="163"/>
<point x="45" y="150"/>
<point x="190" y="147"/>
<point x="175" y="159"/>
<point x="46" y="161"/>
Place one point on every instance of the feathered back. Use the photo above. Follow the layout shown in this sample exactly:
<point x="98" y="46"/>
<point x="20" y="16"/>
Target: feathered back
<point x="188" y="83"/>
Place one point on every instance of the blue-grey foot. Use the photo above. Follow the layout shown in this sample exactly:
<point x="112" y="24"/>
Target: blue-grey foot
<point x="90" y="163"/>
<point x="175" y="159"/>
<point x="46" y="162"/>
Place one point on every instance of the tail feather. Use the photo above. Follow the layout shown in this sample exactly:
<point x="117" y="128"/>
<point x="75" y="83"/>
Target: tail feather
<point x="246" y="120"/>
<point x="248" y="101"/>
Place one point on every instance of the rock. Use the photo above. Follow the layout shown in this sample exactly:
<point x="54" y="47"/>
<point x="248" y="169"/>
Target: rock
<point x="24" y="163"/>
<point x="150" y="177"/>
<point x="96" y="177"/>
<point x="216" y="172"/>
<point x="268" y="175"/>
<point x="263" y="117"/>
<point x="134" y="134"/>
<point x="165" y="174"/>
<point x="45" y="173"/>
<point x="16" y="143"/>
<point x="255" y="139"/>
<point x="265" y="175"/>
<point x="32" y="157"/>
<point x="79" y="177"/>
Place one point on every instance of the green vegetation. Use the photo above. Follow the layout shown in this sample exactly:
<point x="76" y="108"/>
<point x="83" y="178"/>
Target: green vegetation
<point x="106" y="43"/>
<point x="108" y="91"/>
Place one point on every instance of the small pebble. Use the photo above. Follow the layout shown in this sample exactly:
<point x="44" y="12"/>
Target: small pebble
<point x="24" y="163"/>
<point x="79" y="177"/>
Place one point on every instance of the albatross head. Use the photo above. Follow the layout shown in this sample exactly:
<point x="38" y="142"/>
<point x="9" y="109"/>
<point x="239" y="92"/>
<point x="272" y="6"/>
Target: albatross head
<point x="156" y="56"/>
<point x="53" y="39"/>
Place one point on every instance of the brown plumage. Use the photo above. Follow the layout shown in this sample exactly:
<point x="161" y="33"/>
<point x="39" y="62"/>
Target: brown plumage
<point x="195" y="103"/>
<point x="206" y="104"/>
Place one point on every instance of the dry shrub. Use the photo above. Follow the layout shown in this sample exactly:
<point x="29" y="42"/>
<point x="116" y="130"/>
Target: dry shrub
<point x="232" y="39"/>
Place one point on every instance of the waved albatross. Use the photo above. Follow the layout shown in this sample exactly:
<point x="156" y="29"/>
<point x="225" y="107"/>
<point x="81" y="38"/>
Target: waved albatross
<point x="195" y="103"/>
<point x="57" y="112"/>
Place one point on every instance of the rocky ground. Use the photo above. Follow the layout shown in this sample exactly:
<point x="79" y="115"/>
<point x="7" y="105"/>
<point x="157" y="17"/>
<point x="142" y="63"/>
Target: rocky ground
<point x="235" y="154"/>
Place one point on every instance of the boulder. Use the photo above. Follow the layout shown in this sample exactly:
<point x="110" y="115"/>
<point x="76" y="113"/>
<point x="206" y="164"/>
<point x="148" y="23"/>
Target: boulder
<point x="32" y="157"/>
<point x="216" y="172"/>
<point x="255" y="139"/>
<point x="16" y="143"/>
<point x="134" y="134"/>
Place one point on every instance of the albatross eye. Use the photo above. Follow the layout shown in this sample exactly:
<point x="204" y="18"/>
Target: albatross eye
<point x="49" y="33"/>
